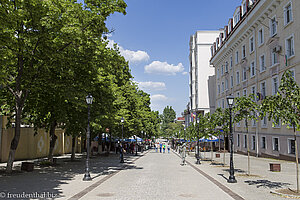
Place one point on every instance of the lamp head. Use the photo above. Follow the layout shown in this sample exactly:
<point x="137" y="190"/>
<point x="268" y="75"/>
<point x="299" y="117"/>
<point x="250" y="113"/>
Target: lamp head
<point x="89" y="99"/>
<point x="122" y="119"/>
<point x="230" y="100"/>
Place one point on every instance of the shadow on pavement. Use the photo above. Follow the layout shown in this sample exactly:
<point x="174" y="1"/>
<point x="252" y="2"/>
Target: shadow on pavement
<point x="50" y="179"/>
<point x="223" y="176"/>
<point x="235" y="170"/>
<point x="267" y="184"/>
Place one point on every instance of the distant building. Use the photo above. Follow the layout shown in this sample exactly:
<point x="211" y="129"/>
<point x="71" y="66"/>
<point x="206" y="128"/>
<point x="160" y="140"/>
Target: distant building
<point x="200" y="70"/>
<point x="258" y="44"/>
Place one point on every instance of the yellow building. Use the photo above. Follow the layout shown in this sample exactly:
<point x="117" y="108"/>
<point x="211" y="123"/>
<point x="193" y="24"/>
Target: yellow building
<point x="33" y="145"/>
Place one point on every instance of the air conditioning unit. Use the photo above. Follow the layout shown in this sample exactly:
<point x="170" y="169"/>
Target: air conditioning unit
<point x="277" y="49"/>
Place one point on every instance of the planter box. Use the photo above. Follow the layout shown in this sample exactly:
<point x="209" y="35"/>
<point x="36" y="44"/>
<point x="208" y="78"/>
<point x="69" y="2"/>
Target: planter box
<point x="217" y="155"/>
<point x="275" y="167"/>
<point x="27" y="166"/>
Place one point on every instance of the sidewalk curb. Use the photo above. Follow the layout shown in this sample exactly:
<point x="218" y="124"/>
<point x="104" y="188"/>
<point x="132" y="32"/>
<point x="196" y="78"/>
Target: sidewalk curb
<point x="285" y="195"/>
<point x="214" y="181"/>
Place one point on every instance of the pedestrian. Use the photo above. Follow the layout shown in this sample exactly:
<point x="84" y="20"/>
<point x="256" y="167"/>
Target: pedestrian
<point x="164" y="147"/>
<point x="183" y="154"/>
<point x="160" y="147"/>
<point x="168" y="148"/>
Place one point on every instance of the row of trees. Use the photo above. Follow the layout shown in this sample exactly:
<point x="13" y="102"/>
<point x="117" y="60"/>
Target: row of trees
<point x="54" y="53"/>
<point x="283" y="107"/>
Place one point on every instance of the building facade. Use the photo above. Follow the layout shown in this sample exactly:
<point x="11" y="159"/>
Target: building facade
<point x="200" y="70"/>
<point x="259" y="43"/>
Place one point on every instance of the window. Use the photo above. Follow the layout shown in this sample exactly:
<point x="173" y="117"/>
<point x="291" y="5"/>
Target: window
<point x="274" y="85"/>
<point x="236" y="18"/>
<point x="274" y="58"/>
<point x="226" y="84"/>
<point x="291" y="146"/>
<point x="238" y="94"/>
<point x="253" y="142"/>
<point x="222" y="69"/>
<point x="263" y="142"/>
<point x="218" y="73"/>
<point x="252" y="68"/>
<point x="226" y="67"/>
<point x="261" y="36"/>
<point x="219" y="90"/>
<point x="263" y="89"/>
<point x="275" y="144"/>
<point x="262" y="64"/>
<point x="236" y="57"/>
<point x="251" y="44"/>
<point x="244" y="8"/>
<point x="245" y="141"/>
<point x="293" y="73"/>
<point x="231" y="62"/>
<point x="238" y="140"/>
<point x="244" y="75"/>
<point x="222" y="86"/>
<point x="276" y="123"/>
<point x="273" y="26"/>
<point x="245" y="92"/>
<point x="244" y="51"/>
<point x="237" y="77"/>
<point x="253" y="90"/>
<point x="264" y="122"/>
<point x="288" y="17"/>
<point x="289" y="47"/>
<point x="231" y="81"/>
<point x="223" y="103"/>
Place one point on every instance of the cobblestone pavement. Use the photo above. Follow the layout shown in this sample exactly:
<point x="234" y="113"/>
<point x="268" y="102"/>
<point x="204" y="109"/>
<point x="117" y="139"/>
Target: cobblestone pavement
<point x="149" y="176"/>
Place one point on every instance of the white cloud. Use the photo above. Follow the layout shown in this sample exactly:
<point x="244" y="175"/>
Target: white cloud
<point x="152" y="86"/>
<point x="131" y="56"/>
<point x="157" y="67"/>
<point x="158" y="97"/>
<point x="184" y="73"/>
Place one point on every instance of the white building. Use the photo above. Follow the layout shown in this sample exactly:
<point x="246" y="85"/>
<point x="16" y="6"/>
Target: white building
<point x="261" y="41"/>
<point x="200" y="69"/>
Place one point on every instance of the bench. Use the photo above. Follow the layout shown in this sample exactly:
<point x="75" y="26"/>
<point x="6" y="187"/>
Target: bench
<point x="275" y="167"/>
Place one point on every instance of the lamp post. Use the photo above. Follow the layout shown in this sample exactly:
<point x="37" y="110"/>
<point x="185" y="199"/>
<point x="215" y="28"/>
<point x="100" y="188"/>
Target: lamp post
<point x="121" y="143"/>
<point x="198" y="146"/>
<point x="230" y="100"/>
<point x="87" y="177"/>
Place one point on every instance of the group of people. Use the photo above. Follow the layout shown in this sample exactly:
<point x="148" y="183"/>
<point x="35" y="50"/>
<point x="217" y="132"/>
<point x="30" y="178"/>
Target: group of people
<point x="162" y="147"/>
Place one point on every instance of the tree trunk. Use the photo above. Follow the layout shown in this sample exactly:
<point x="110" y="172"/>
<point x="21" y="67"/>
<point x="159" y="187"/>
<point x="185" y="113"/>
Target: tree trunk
<point x="248" y="146"/>
<point x="224" y="150"/>
<point x="73" y="148"/>
<point x="53" y="138"/>
<point x="211" y="150"/>
<point x="15" y="141"/>
<point x="297" y="162"/>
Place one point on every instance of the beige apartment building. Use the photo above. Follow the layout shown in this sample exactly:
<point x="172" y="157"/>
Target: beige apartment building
<point x="259" y="43"/>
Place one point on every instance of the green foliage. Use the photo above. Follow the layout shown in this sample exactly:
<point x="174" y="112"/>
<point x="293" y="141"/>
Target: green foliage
<point x="168" y="116"/>
<point x="285" y="105"/>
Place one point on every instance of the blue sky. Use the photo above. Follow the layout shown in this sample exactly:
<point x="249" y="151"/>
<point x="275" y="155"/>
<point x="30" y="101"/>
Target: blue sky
<point x="154" y="38"/>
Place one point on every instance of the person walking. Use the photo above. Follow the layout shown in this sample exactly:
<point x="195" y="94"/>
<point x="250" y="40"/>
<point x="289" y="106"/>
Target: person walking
<point x="160" y="147"/>
<point x="164" y="147"/>
<point x="156" y="147"/>
<point x="183" y="154"/>
<point x="168" y="148"/>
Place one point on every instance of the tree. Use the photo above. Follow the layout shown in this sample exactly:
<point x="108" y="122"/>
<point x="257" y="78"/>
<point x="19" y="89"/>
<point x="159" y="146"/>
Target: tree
<point x="246" y="108"/>
<point x="222" y="120"/>
<point x="168" y="116"/>
<point x="285" y="107"/>
<point x="35" y="36"/>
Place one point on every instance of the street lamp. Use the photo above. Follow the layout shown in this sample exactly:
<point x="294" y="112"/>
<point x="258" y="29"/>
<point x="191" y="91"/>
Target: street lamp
<point x="198" y="142"/>
<point x="87" y="177"/>
<point x="121" y="143"/>
<point x="230" y="100"/>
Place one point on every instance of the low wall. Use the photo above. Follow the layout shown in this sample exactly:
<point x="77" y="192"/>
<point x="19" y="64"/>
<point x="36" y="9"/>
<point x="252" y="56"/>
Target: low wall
<point x="33" y="145"/>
